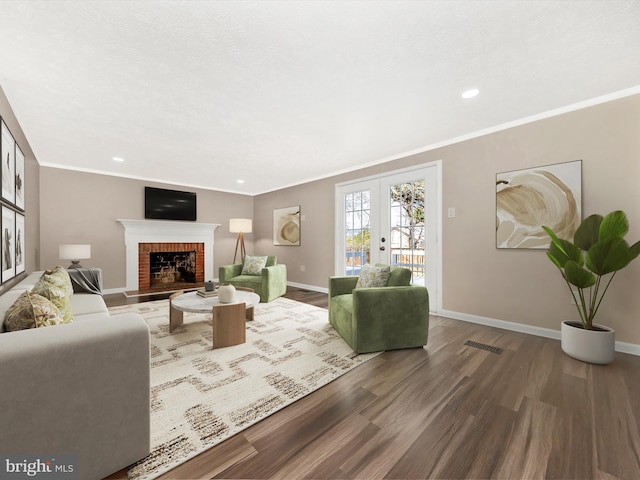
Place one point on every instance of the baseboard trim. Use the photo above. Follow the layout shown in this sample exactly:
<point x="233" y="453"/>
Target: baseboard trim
<point x="111" y="291"/>
<point x="313" y="288"/>
<point x="622" y="347"/>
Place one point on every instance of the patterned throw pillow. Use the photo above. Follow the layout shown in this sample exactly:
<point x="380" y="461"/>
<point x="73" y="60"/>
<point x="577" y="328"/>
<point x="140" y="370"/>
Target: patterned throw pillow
<point x="31" y="310"/>
<point x="371" y="276"/>
<point x="253" y="265"/>
<point x="55" y="285"/>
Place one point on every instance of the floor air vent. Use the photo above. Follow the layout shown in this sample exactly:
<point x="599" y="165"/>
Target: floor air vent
<point x="484" y="346"/>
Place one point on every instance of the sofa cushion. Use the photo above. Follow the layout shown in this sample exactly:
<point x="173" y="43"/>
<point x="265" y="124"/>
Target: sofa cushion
<point x="253" y="265"/>
<point x="6" y="300"/>
<point x="399" y="277"/>
<point x="55" y="285"/>
<point x="31" y="310"/>
<point x="245" y="280"/>
<point x="371" y="276"/>
<point x="86" y="304"/>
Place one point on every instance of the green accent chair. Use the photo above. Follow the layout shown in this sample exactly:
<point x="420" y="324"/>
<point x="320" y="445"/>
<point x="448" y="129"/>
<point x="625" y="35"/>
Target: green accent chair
<point x="270" y="284"/>
<point x="380" y="318"/>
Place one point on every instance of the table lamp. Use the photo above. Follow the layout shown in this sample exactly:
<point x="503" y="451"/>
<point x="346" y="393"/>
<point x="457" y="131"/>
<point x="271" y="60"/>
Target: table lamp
<point x="240" y="226"/>
<point x="75" y="253"/>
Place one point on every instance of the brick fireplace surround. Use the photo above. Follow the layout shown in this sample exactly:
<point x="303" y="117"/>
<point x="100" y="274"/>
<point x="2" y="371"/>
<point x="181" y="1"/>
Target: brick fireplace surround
<point x="146" y="249"/>
<point x="137" y="232"/>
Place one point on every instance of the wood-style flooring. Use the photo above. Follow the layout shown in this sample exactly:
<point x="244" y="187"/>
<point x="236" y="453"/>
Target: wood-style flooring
<point x="447" y="411"/>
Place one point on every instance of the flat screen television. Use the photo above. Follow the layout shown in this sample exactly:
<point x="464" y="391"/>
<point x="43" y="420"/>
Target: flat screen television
<point x="162" y="204"/>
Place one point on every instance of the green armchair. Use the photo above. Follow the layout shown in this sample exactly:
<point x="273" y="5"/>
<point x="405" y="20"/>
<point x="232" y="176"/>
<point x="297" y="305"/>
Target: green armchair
<point x="270" y="284"/>
<point x="380" y="318"/>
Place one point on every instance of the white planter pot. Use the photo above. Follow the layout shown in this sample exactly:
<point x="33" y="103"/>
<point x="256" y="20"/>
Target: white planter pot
<point x="226" y="293"/>
<point x="593" y="346"/>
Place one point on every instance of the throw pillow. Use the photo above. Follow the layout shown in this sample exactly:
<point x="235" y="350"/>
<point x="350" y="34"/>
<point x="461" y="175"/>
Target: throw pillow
<point x="253" y="265"/>
<point x="371" y="276"/>
<point x="55" y="285"/>
<point x="31" y="310"/>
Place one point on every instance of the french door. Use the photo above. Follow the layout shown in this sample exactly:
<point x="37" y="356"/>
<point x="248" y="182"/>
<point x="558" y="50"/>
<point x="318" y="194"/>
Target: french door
<point x="391" y="219"/>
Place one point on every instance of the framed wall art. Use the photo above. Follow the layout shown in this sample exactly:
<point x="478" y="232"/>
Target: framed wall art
<point x="19" y="178"/>
<point x="527" y="199"/>
<point x="286" y="226"/>
<point x="20" y="244"/>
<point x="8" y="262"/>
<point x="12" y="206"/>
<point x="8" y="168"/>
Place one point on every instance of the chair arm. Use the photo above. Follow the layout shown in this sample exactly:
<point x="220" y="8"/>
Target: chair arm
<point x="274" y="282"/>
<point x="229" y="271"/>
<point x="388" y="317"/>
<point x="81" y="388"/>
<point x="342" y="285"/>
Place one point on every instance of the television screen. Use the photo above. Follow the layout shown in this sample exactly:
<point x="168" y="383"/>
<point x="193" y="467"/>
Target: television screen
<point x="161" y="204"/>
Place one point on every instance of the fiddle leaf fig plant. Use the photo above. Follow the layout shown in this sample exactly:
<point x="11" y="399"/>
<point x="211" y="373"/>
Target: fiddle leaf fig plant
<point x="598" y="250"/>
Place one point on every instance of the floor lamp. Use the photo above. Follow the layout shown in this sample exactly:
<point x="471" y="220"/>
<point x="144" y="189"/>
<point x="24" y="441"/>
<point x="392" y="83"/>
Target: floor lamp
<point x="240" y="226"/>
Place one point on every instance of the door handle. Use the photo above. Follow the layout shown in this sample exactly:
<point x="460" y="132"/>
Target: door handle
<point x="382" y="248"/>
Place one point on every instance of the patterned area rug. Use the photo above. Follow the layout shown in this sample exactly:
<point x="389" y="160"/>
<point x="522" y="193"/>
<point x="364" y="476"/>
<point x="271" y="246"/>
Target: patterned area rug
<point x="200" y="396"/>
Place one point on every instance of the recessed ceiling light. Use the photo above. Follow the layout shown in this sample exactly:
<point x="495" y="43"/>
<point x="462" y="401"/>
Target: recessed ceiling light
<point x="470" y="93"/>
<point x="117" y="159"/>
<point x="240" y="181"/>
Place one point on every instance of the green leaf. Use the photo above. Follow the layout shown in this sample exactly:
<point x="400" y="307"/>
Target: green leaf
<point x="634" y="250"/>
<point x="578" y="276"/>
<point x="588" y="232"/>
<point x="563" y="251"/>
<point x="608" y="256"/>
<point x="614" y="224"/>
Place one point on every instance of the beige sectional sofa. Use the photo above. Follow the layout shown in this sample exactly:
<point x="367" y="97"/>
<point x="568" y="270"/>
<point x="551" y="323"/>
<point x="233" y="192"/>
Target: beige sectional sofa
<point x="80" y="388"/>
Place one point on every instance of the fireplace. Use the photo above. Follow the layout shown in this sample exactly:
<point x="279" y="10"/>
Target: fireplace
<point x="170" y="265"/>
<point x="166" y="236"/>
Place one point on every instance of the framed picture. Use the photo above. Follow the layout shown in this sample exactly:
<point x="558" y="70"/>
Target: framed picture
<point x="528" y="199"/>
<point x="286" y="226"/>
<point x="7" y="171"/>
<point x="19" y="178"/>
<point x="20" y="243"/>
<point x="8" y="244"/>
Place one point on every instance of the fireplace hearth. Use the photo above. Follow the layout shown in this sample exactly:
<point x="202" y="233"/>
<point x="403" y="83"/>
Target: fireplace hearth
<point x="139" y="235"/>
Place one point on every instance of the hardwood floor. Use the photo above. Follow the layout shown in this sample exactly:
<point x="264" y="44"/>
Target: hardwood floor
<point x="448" y="411"/>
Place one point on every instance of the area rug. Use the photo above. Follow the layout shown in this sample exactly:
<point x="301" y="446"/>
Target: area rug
<point x="201" y="396"/>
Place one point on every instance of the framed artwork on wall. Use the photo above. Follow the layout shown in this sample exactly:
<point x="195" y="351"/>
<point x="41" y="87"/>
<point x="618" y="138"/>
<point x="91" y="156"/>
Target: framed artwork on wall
<point x="286" y="226"/>
<point x="19" y="178"/>
<point x="527" y="199"/>
<point x="8" y="168"/>
<point x="20" y="243"/>
<point x="8" y="244"/>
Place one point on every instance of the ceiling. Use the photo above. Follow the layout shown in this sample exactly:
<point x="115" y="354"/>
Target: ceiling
<point x="277" y="93"/>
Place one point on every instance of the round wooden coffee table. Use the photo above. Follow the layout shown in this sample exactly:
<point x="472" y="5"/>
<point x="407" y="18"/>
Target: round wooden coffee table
<point x="229" y="319"/>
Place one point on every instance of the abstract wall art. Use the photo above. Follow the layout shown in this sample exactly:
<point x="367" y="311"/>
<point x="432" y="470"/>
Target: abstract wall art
<point x="286" y="226"/>
<point x="527" y="199"/>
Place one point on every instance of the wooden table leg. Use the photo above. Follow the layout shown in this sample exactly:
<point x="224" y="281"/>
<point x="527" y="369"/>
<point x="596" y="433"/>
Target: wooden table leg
<point x="229" y="325"/>
<point x="175" y="316"/>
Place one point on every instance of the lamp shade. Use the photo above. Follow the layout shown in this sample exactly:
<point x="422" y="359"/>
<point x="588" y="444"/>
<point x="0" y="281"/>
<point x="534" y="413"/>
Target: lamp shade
<point x="237" y="225"/>
<point x="75" y="252"/>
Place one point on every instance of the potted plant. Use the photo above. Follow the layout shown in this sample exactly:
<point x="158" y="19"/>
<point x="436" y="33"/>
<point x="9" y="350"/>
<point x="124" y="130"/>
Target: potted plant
<point x="588" y="265"/>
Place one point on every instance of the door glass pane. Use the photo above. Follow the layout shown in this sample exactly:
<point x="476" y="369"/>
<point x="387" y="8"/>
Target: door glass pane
<point x="357" y="215"/>
<point x="407" y="222"/>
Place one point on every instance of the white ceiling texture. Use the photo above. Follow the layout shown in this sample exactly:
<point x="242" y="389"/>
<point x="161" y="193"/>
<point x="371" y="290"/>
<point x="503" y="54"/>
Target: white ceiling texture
<point x="276" y="93"/>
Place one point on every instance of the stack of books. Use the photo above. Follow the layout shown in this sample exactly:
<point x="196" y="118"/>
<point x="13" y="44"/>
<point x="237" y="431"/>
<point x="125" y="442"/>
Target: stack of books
<point x="203" y="293"/>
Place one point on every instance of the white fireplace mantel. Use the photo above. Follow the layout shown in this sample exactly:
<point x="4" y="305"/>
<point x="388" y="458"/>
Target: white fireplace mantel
<point x="160" y="231"/>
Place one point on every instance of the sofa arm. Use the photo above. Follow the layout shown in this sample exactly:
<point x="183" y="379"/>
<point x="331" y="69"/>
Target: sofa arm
<point x="274" y="282"/>
<point x="391" y="317"/>
<point x="81" y="388"/>
<point x="341" y="285"/>
<point x="229" y="271"/>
